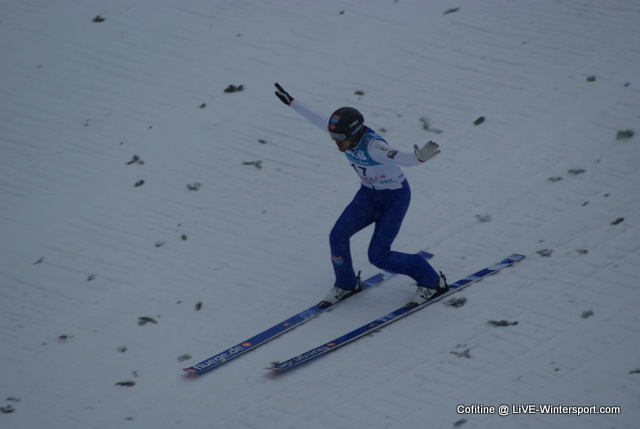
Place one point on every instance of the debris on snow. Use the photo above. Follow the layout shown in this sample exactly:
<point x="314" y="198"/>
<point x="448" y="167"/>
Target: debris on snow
<point x="426" y="125"/>
<point x="465" y="352"/>
<point x="456" y="302"/>
<point x="617" y="221"/>
<point x="258" y="163"/>
<point x="135" y="160"/>
<point x="587" y="313"/>
<point x="501" y="323"/>
<point x="459" y="423"/>
<point x="576" y="171"/>
<point x="143" y="320"/>
<point x="232" y="88"/>
<point x="545" y="253"/>
<point x="624" y="134"/>
<point x="7" y="409"/>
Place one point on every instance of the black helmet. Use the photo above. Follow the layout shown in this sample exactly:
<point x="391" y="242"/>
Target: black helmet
<point x="346" y="123"/>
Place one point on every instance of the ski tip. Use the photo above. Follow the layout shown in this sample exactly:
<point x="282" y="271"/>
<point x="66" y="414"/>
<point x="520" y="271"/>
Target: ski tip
<point x="275" y="369"/>
<point x="517" y="257"/>
<point x="279" y="367"/>
<point x="274" y="365"/>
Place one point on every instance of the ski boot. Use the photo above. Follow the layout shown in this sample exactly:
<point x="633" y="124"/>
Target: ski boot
<point x="424" y="294"/>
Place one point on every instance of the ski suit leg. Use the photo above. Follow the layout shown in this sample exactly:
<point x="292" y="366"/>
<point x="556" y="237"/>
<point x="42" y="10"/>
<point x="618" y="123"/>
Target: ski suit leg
<point x="392" y="207"/>
<point x="359" y="214"/>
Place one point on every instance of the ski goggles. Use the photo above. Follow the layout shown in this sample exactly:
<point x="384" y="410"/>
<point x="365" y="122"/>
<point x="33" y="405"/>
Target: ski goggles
<point x="338" y="136"/>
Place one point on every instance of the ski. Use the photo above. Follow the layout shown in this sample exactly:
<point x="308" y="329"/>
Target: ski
<point x="393" y="316"/>
<point x="282" y="327"/>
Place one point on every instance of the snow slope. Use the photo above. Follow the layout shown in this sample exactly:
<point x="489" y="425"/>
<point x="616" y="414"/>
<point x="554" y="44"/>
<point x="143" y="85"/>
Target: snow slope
<point x="85" y="253"/>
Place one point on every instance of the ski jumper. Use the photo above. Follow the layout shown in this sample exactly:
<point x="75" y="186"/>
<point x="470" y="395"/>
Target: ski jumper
<point x="383" y="200"/>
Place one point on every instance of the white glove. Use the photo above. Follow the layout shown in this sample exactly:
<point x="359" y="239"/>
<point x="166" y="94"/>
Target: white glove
<point x="426" y="152"/>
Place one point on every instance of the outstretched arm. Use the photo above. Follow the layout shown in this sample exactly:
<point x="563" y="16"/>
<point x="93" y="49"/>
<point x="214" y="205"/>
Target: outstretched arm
<point x="309" y="113"/>
<point x="382" y="153"/>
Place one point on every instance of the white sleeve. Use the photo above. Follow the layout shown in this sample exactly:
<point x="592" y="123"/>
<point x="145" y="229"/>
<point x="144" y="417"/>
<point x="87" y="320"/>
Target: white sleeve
<point x="382" y="153"/>
<point x="310" y="114"/>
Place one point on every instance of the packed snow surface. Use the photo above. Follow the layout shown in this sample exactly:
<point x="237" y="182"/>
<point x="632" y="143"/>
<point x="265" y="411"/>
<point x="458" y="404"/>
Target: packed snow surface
<point x="159" y="204"/>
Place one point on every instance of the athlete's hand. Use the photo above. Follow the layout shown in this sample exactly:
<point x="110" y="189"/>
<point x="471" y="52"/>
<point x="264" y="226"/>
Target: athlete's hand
<point x="283" y="95"/>
<point x="426" y="152"/>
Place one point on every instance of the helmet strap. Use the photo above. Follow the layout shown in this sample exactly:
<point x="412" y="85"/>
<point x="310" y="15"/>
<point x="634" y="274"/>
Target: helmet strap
<point x="356" y="140"/>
